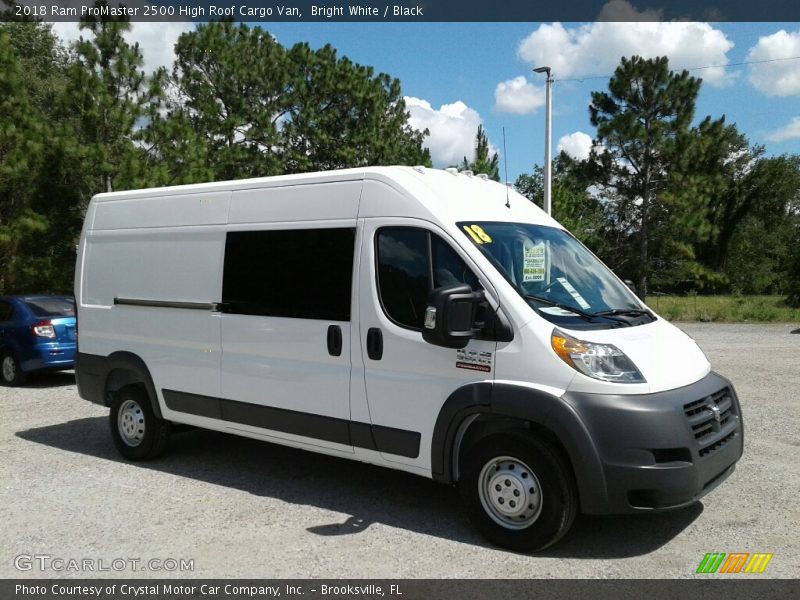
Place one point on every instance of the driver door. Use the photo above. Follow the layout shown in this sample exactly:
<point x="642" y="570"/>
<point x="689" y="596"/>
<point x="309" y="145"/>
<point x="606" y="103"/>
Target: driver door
<point x="408" y="380"/>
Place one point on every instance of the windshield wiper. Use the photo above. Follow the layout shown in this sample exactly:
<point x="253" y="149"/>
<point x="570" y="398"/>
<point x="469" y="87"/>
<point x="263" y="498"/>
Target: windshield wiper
<point x="577" y="311"/>
<point x="633" y="312"/>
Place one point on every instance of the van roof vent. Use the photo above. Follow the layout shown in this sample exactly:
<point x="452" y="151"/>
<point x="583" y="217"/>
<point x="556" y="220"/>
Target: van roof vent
<point x="452" y="170"/>
<point x="483" y="176"/>
<point x="420" y="169"/>
<point x="467" y="172"/>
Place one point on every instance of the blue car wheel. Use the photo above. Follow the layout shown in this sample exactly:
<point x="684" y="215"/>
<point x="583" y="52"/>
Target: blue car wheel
<point x="10" y="371"/>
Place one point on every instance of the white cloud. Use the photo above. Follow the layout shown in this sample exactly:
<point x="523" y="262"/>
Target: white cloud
<point x="788" y="132"/>
<point x="576" y="144"/>
<point x="596" y="48"/>
<point x="518" y="96"/>
<point x="156" y="40"/>
<point x="452" y="129"/>
<point x="779" y="78"/>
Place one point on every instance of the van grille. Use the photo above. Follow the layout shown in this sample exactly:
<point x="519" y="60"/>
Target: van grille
<point x="713" y="420"/>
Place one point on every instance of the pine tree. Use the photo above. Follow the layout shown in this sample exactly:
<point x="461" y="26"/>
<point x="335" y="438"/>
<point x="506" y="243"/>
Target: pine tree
<point x="643" y="125"/>
<point x="106" y="92"/>
<point x="481" y="161"/>
<point x="238" y="104"/>
<point x="22" y="139"/>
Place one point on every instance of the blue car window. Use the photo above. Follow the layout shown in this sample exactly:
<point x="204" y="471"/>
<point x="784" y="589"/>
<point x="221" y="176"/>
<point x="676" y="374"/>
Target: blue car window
<point x="6" y="311"/>
<point x="51" y="307"/>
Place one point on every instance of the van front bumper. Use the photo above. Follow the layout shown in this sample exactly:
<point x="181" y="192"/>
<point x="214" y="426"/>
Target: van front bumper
<point x="661" y="451"/>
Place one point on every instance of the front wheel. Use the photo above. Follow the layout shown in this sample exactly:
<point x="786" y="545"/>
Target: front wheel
<point x="138" y="434"/>
<point x="519" y="491"/>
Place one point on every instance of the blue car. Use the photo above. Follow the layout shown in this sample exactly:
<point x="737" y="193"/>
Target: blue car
<point x="36" y="333"/>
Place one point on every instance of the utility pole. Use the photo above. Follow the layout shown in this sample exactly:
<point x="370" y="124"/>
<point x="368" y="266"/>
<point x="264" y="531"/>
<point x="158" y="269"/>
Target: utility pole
<point x="548" y="161"/>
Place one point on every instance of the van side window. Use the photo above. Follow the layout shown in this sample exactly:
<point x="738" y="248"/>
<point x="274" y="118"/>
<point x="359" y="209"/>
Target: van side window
<point x="411" y="263"/>
<point x="302" y="273"/>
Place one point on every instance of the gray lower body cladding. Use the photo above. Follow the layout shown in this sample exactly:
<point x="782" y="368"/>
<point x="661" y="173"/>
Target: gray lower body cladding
<point x="664" y="450"/>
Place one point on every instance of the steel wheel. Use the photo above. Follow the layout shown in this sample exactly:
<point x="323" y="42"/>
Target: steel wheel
<point x="131" y="423"/>
<point x="518" y="490"/>
<point x="510" y="492"/>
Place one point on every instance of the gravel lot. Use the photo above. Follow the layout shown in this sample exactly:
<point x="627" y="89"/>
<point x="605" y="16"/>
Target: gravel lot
<point x="242" y="508"/>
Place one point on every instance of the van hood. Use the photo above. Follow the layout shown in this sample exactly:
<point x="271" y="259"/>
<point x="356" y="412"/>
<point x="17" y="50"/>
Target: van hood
<point x="666" y="356"/>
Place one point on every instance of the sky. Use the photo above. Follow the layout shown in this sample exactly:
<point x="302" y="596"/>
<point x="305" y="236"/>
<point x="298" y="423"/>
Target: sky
<point x="456" y="76"/>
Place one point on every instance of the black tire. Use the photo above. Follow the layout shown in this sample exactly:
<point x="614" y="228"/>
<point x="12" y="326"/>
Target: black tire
<point x="546" y="518"/>
<point x="10" y="372"/>
<point x="137" y="433"/>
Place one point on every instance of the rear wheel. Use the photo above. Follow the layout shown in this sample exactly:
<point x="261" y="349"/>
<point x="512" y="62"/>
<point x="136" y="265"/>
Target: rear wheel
<point x="519" y="491"/>
<point x="10" y="371"/>
<point x="138" y="434"/>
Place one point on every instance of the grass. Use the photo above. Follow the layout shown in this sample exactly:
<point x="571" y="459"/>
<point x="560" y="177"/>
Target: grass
<point x="725" y="309"/>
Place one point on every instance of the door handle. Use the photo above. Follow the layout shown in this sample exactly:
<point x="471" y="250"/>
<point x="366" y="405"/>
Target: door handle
<point x="335" y="340"/>
<point x="374" y="343"/>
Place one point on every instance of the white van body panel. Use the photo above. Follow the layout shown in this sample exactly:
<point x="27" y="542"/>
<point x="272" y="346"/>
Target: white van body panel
<point x="183" y="264"/>
<point x="665" y="355"/>
<point x="315" y="202"/>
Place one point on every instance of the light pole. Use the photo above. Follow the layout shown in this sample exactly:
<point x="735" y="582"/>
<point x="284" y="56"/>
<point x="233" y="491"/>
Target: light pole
<point x="548" y="166"/>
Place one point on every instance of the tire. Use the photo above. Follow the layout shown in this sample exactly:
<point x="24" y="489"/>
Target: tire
<point x="137" y="433"/>
<point x="10" y="372"/>
<point x="519" y="491"/>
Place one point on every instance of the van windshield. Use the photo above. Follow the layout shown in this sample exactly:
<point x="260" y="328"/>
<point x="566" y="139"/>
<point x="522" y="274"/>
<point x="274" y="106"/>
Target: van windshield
<point x="557" y="275"/>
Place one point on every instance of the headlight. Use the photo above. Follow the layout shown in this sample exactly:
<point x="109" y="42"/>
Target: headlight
<point x="600" y="361"/>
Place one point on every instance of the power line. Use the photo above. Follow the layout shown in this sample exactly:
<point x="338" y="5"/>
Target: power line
<point x="739" y="64"/>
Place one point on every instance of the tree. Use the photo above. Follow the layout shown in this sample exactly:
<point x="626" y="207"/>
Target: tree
<point x="573" y="205"/>
<point x="21" y="139"/>
<point x="105" y="91"/>
<point x="341" y="114"/>
<point x="252" y="108"/>
<point x="47" y="255"/>
<point x="643" y="125"/>
<point x="481" y="161"/>
<point x="228" y="86"/>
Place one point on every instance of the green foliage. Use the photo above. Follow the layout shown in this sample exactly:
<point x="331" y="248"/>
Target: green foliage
<point x="341" y="114"/>
<point x="725" y="309"/>
<point x="675" y="206"/>
<point x="238" y="104"/>
<point x="643" y="128"/>
<point x="105" y="93"/>
<point x="481" y="161"/>
<point x="83" y="120"/>
<point x="573" y="206"/>
<point x="22" y="135"/>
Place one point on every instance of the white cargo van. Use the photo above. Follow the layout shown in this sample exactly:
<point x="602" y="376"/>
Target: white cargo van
<point x="424" y="320"/>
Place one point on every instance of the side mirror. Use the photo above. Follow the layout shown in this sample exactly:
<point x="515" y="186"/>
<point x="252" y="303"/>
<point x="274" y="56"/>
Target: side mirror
<point x="450" y="316"/>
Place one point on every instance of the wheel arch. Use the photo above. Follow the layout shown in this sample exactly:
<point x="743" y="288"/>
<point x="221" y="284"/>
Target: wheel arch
<point x="478" y="410"/>
<point x="126" y="368"/>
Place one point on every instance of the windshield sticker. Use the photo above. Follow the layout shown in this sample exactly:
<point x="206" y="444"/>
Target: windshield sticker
<point x="474" y="360"/>
<point x="533" y="263"/>
<point x="478" y="235"/>
<point x="574" y="293"/>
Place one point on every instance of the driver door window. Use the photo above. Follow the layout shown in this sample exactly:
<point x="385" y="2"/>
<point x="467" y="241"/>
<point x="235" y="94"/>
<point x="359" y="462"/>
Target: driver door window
<point x="412" y="262"/>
